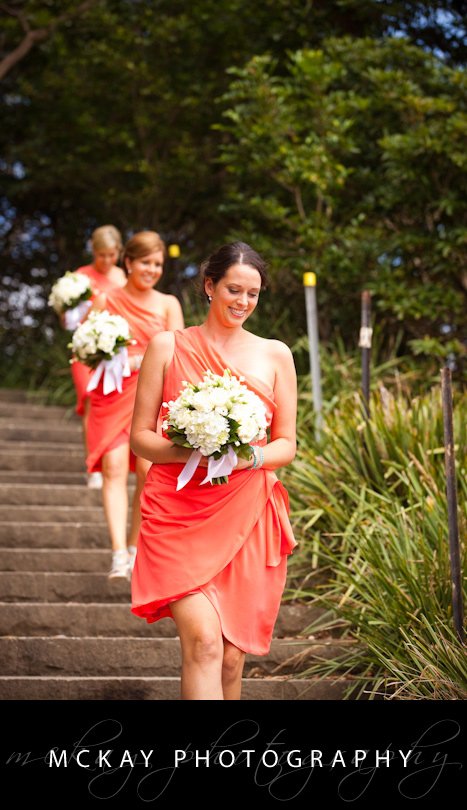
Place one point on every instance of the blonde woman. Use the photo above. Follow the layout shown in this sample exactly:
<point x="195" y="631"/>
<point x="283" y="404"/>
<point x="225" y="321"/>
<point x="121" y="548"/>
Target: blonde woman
<point x="104" y="275"/>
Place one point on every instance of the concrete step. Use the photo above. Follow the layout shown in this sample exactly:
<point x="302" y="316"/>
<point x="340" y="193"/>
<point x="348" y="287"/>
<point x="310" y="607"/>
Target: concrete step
<point x="57" y="560"/>
<point x="157" y="688"/>
<point x="49" y="514"/>
<point x="38" y="477"/>
<point x="38" y="433"/>
<point x="41" y="413"/>
<point x="30" y="457"/>
<point x="13" y="395"/>
<point x="40" y="586"/>
<point x="54" y="535"/>
<point x="46" y="495"/>
<point x="132" y="657"/>
<point x="113" y="619"/>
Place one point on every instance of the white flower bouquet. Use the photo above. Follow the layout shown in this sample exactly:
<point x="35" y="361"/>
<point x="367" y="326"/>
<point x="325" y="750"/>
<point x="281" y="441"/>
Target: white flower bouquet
<point x="100" y="342"/>
<point x="70" y="296"/>
<point x="218" y="417"/>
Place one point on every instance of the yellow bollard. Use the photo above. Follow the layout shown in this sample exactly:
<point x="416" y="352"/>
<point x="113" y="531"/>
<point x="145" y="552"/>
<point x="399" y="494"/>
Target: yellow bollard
<point x="174" y="251"/>
<point x="309" y="283"/>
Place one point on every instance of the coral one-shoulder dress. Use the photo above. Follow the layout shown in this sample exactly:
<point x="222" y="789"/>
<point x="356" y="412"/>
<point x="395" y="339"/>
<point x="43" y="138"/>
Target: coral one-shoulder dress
<point x="80" y="372"/>
<point x="111" y="414"/>
<point x="229" y="541"/>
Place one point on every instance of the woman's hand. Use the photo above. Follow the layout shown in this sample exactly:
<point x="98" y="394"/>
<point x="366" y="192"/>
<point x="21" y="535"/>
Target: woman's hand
<point x="244" y="463"/>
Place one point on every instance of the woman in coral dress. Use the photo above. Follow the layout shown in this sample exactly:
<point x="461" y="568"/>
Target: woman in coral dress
<point x="147" y="312"/>
<point x="214" y="558"/>
<point x="104" y="276"/>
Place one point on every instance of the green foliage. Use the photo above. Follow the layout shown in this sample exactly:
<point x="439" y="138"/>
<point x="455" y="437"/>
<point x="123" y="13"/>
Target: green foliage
<point x="370" y="513"/>
<point x="352" y="163"/>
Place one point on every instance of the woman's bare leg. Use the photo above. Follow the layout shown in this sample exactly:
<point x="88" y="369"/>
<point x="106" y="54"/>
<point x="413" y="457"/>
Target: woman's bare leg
<point x="202" y="647"/>
<point x="142" y="467"/>
<point x="115" y="467"/>
<point x="232" y="670"/>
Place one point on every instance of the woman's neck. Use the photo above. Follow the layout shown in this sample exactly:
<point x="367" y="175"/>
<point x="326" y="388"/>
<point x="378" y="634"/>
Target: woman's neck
<point x="135" y="292"/>
<point x="101" y="272"/>
<point x="220" y="334"/>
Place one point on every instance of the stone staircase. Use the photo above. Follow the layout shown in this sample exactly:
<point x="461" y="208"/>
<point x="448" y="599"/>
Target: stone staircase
<point x="66" y="631"/>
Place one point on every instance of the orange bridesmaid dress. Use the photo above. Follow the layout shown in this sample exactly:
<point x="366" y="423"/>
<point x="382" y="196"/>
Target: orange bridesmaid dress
<point x="111" y="414"/>
<point x="79" y="371"/>
<point x="229" y="541"/>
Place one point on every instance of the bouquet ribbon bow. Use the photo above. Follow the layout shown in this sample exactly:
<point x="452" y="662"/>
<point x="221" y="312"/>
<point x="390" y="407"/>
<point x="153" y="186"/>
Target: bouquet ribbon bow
<point x="114" y="370"/>
<point x="72" y="317"/>
<point x="217" y="467"/>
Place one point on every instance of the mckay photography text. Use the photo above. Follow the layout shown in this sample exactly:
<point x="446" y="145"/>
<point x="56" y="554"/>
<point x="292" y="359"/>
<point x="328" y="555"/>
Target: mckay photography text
<point x="268" y="761"/>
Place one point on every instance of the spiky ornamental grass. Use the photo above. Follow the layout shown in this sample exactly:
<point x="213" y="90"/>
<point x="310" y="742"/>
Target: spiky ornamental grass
<point x="369" y="510"/>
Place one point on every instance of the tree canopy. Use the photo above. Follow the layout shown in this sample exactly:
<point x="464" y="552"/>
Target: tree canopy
<point x="328" y="133"/>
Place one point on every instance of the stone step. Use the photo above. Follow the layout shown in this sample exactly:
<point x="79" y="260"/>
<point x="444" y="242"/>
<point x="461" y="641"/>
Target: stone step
<point x="37" y="433"/>
<point x="40" y="413"/>
<point x="57" y="560"/>
<point x="45" y="495"/>
<point x="54" y="535"/>
<point x="113" y="619"/>
<point x="37" y="477"/>
<point x="132" y="657"/>
<point x="43" y="586"/>
<point x="39" y="447"/>
<point x="13" y="395"/>
<point x="49" y="514"/>
<point x="157" y="688"/>
<point x="30" y="457"/>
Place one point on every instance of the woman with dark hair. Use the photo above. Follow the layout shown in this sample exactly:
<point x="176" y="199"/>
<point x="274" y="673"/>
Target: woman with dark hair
<point x="147" y="312"/>
<point x="214" y="558"/>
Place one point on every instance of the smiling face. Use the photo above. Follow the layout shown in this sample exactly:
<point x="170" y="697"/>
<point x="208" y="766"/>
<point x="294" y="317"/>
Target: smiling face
<point x="144" y="273"/>
<point x="235" y="295"/>
<point x="104" y="260"/>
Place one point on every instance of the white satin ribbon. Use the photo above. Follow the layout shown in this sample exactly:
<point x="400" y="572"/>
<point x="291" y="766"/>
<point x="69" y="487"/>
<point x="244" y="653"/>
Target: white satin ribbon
<point x="73" y="317"/>
<point x="217" y="468"/>
<point x="113" y="370"/>
<point x="189" y="469"/>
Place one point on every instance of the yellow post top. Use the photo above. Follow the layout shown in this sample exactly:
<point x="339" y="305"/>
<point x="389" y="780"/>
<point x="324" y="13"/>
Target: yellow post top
<point x="309" y="279"/>
<point x="174" y="251"/>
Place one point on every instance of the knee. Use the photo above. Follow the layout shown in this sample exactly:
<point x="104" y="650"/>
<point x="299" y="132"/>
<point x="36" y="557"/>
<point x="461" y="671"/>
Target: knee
<point x="205" y="647"/>
<point x="112" y="470"/>
<point x="232" y="662"/>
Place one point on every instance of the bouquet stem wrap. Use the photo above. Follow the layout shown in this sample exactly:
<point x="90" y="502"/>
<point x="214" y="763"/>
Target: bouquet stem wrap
<point x="113" y="370"/>
<point x="217" y="467"/>
<point x="73" y="317"/>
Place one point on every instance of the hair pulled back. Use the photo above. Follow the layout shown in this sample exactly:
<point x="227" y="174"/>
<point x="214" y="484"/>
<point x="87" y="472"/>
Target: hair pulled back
<point x="106" y="237"/>
<point x="141" y="244"/>
<point x="217" y="264"/>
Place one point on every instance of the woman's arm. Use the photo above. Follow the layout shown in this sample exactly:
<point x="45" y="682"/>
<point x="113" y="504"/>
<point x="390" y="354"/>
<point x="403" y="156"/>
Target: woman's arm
<point x="283" y="445"/>
<point x="174" y="314"/>
<point x="144" y="441"/>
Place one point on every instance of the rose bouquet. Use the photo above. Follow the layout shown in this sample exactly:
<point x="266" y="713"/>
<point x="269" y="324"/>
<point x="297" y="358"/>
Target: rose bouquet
<point x="218" y="417"/>
<point x="100" y="342"/>
<point x="70" y="296"/>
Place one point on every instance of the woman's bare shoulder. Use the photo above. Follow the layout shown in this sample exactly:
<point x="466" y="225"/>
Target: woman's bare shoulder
<point x="162" y="341"/>
<point x="119" y="276"/>
<point x="272" y="347"/>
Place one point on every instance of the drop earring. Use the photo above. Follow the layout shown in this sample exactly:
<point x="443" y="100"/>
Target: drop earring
<point x="210" y="298"/>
